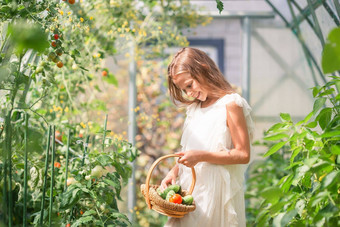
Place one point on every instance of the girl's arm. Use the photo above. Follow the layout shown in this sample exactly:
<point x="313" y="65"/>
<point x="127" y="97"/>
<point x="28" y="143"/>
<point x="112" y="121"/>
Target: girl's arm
<point x="240" y="154"/>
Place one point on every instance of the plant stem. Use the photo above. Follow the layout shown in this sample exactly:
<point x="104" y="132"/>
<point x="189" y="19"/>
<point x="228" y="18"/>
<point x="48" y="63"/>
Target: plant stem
<point x="85" y="149"/>
<point x="45" y="177"/>
<point x="104" y="134"/>
<point x="25" y="171"/>
<point x="67" y="157"/>
<point x="52" y="176"/>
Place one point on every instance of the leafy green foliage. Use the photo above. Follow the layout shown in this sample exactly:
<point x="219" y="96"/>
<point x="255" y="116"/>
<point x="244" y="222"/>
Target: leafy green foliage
<point x="219" y="5"/>
<point x="28" y="36"/>
<point x="300" y="178"/>
<point x="331" y="53"/>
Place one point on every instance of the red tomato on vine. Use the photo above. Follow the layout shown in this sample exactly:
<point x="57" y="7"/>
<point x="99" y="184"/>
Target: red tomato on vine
<point x="54" y="44"/>
<point x="58" y="136"/>
<point x="60" y="64"/>
<point x="56" y="36"/>
<point x="57" y="164"/>
<point x="71" y="1"/>
<point x="177" y="198"/>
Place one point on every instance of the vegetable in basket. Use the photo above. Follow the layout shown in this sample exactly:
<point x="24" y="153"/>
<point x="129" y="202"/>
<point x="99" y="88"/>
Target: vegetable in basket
<point x="187" y="200"/>
<point x="169" y="195"/>
<point x="174" y="187"/>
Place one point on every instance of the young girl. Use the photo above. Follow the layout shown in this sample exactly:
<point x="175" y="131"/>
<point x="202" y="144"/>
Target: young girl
<point x="215" y="141"/>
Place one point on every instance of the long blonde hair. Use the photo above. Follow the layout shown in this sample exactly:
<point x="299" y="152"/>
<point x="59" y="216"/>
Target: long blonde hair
<point x="201" y="68"/>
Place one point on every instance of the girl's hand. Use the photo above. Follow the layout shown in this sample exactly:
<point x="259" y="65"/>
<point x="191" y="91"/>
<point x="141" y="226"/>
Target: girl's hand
<point x="191" y="158"/>
<point x="169" y="179"/>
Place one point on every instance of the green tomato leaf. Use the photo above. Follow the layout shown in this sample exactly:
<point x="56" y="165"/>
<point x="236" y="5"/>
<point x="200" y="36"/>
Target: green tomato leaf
<point x="278" y="127"/>
<point x="331" y="134"/>
<point x="324" y="117"/>
<point x="335" y="149"/>
<point x="295" y="153"/>
<point x="28" y="36"/>
<point x="331" y="53"/>
<point x="316" y="90"/>
<point x="276" y="137"/>
<point x="89" y="212"/>
<point x="219" y="5"/>
<point x="285" y="117"/>
<point x="275" y="148"/>
<point x="299" y="174"/>
<point x="331" y="178"/>
<point x="318" y="104"/>
<point x="111" y="79"/>
<point x="287" y="217"/>
<point x="307" y="118"/>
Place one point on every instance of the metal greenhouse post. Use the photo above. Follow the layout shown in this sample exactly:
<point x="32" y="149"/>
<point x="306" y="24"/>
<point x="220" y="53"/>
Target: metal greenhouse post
<point x="45" y="175"/>
<point x="25" y="171"/>
<point x="337" y="6"/>
<point x="52" y="177"/>
<point x="246" y="58"/>
<point x="316" y="22"/>
<point x="132" y="128"/>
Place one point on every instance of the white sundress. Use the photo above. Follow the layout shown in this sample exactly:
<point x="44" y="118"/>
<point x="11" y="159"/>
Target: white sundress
<point x="218" y="191"/>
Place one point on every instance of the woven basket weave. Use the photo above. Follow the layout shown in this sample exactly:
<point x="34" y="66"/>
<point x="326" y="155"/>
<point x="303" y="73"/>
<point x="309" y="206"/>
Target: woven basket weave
<point x="157" y="203"/>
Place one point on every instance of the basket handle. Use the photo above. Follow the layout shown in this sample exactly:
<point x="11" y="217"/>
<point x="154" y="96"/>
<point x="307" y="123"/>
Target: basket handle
<point x="152" y="168"/>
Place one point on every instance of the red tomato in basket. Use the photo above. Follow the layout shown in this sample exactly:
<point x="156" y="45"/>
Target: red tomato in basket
<point x="177" y="198"/>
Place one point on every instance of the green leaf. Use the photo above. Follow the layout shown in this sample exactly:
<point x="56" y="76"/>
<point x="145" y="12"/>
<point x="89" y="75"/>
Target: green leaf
<point x="299" y="174"/>
<point x="285" y="117"/>
<point x="272" y="194"/>
<point x="299" y="206"/>
<point x="287" y="182"/>
<point x="104" y="160"/>
<point x="331" y="134"/>
<point x="275" y="148"/>
<point x="287" y="217"/>
<point x="324" y="117"/>
<point x="276" y="207"/>
<point x="316" y="90"/>
<point x="331" y="178"/>
<point x="307" y="118"/>
<point x="219" y="5"/>
<point x="276" y="126"/>
<point x="331" y="53"/>
<point x="82" y="220"/>
<point x="276" y="137"/>
<point x="335" y="149"/>
<point x="28" y="36"/>
<point x="112" y="183"/>
<point x="327" y="92"/>
<point x="89" y="212"/>
<point x="312" y="124"/>
<point x="318" y="104"/>
<point x="296" y="151"/>
<point x="111" y="79"/>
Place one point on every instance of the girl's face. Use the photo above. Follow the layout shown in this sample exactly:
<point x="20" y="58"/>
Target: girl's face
<point x="190" y="86"/>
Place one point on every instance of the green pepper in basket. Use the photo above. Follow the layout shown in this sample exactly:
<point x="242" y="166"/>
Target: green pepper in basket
<point x="187" y="200"/>
<point x="174" y="187"/>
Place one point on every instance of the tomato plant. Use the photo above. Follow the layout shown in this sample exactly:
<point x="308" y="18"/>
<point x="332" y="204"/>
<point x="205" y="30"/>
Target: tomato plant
<point x="300" y="177"/>
<point x="34" y="39"/>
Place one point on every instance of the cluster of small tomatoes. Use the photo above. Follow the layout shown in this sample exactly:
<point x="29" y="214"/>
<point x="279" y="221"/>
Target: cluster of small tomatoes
<point x="56" y="44"/>
<point x="57" y="48"/>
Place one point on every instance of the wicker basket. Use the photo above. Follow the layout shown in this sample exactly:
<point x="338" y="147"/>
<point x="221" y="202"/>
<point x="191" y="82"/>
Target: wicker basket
<point x="157" y="203"/>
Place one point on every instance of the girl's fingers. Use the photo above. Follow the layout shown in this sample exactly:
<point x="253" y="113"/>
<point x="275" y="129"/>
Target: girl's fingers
<point x="180" y="153"/>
